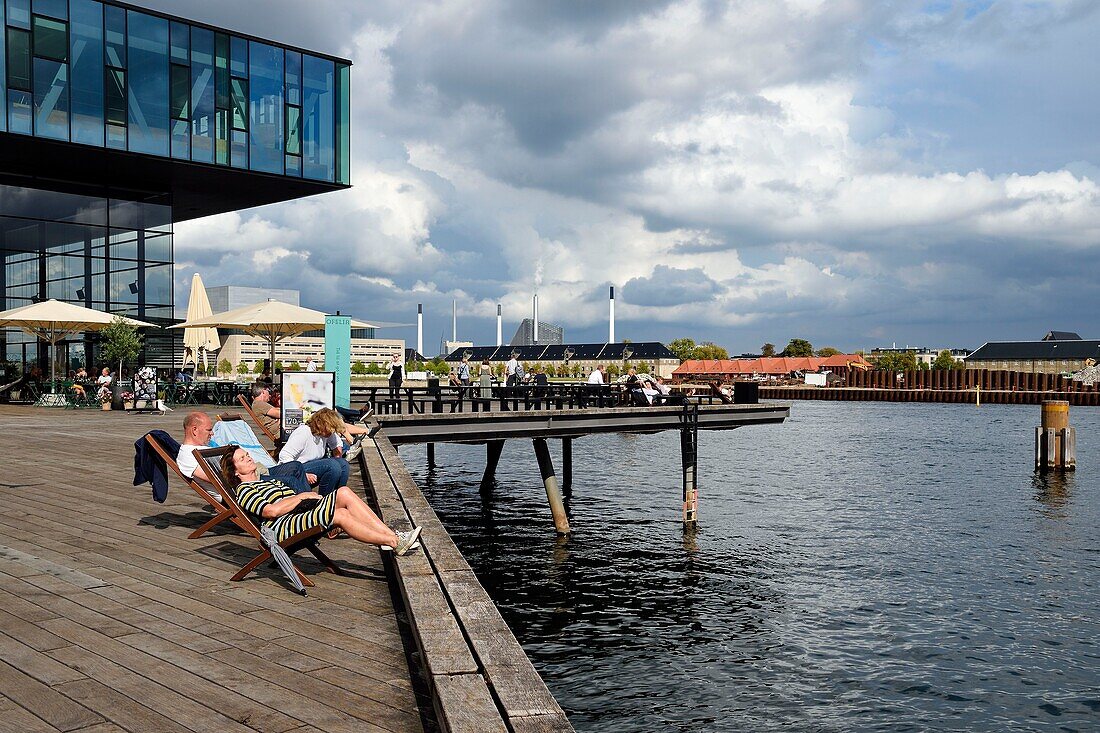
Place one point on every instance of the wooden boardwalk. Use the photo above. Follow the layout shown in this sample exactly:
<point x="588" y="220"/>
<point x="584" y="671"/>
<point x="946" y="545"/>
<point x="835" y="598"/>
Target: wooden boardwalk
<point x="112" y="620"/>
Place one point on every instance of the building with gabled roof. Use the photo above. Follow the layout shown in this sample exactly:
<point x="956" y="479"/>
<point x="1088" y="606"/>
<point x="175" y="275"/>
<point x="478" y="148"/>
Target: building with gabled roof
<point x="1049" y="356"/>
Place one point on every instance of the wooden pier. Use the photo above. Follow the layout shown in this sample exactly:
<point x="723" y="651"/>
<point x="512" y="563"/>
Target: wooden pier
<point x="111" y="620"/>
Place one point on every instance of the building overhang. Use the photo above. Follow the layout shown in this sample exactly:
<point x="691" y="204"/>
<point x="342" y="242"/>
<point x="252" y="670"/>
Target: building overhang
<point x="194" y="190"/>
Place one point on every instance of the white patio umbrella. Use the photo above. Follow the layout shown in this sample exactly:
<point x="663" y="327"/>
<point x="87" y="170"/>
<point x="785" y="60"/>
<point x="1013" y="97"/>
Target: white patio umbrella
<point x="271" y="321"/>
<point x="199" y="339"/>
<point x="53" y="320"/>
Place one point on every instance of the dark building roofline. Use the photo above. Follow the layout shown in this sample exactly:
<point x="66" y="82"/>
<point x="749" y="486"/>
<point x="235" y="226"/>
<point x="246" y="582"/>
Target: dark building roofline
<point x="582" y="352"/>
<point x="1047" y="350"/>
<point x="1062" y="336"/>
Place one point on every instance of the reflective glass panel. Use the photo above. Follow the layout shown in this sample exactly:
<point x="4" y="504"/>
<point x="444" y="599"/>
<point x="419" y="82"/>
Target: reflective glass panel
<point x="221" y="71"/>
<point x="19" y="59"/>
<point x="293" y="77"/>
<point x="239" y="152"/>
<point x="19" y="111"/>
<point x="294" y="130"/>
<point x="318" y="129"/>
<point x="51" y="99"/>
<point x="54" y="8"/>
<point x="181" y="139"/>
<point x="50" y="40"/>
<point x="239" y="103"/>
<point x="343" y="124"/>
<point x="202" y="95"/>
<point x="114" y="21"/>
<point x="221" y="136"/>
<point x="266" y="108"/>
<point x="293" y="165"/>
<point x="147" y="112"/>
<point x="124" y="284"/>
<point x="116" y="136"/>
<point x="180" y="103"/>
<point x="238" y="55"/>
<point x="3" y="72"/>
<point x="19" y="14"/>
<point x="180" y="42"/>
<point x="116" y="96"/>
<point x="158" y="285"/>
<point x="158" y="247"/>
<point x="86" y="69"/>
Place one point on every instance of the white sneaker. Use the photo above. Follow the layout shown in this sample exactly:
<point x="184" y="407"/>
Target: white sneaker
<point x="365" y="416"/>
<point x="407" y="541"/>
<point x="355" y="449"/>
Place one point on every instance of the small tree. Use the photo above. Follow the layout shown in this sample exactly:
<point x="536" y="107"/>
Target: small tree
<point x="798" y="348"/>
<point x="767" y="350"/>
<point x="897" y="361"/>
<point x="358" y="368"/>
<point x="258" y="367"/>
<point x="373" y="368"/>
<point x="121" y="342"/>
<point x="828" y="351"/>
<point x="613" y="370"/>
<point x="224" y="367"/>
<point x="498" y="370"/>
<point x="708" y="350"/>
<point x="944" y="360"/>
<point x="242" y="369"/>
<point x="277" y="366"/>
<point x="294" y="367"/>
<point x="683" y="348"/>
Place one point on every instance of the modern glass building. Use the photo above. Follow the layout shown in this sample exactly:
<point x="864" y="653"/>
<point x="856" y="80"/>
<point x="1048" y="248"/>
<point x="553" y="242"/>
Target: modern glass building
<point x="117" y="122"/>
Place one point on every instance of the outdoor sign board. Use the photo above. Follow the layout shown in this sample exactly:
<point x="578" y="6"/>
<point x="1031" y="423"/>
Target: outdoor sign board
<point x="338" y="355"/>
<point x="304" y="393"/>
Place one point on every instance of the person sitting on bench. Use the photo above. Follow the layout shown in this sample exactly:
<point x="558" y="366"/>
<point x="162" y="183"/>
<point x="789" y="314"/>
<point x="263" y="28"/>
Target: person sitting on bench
<point x="287" y="513"/>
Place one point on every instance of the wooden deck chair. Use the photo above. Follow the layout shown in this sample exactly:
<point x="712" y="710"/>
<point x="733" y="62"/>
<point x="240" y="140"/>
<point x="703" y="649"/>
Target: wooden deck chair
<point x="256" y="419"/>
<point x="222" y="513"/>
<point x="307" y="540"/>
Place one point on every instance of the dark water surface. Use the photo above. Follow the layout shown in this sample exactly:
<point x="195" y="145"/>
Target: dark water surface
<point x="864" y="566"/>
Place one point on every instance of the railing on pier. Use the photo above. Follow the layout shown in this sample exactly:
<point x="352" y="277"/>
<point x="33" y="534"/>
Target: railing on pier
<point x="475" y="398"/>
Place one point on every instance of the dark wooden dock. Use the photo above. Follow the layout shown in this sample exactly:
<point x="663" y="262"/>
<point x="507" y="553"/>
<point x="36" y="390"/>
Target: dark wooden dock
<point x="112" y="620"/>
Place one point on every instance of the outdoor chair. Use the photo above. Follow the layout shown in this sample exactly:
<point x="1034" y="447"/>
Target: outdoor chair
<point x="256" y="419"/>
<point x="222" y="513"/>
<point x="307" y="540"/>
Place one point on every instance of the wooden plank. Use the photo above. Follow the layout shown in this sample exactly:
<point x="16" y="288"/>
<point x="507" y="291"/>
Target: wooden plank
<point x="11" y="556"/>
<point x="541" y="724"/>
<point x="14" y="719"/>
<point x="45" y="702"/>
<point x="26" y="632"/>
<point x="34" y="663"/>
<point x="172" y="687"/>
<point x="120" y="709"/>
<point x="439" y="636"/>
<point x="464" y="705"/>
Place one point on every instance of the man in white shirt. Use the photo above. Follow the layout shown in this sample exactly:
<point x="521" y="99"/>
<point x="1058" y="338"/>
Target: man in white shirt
<point x="512" y="379"/>
<point x="597" y="375"/>
<point x="311" y="365"/>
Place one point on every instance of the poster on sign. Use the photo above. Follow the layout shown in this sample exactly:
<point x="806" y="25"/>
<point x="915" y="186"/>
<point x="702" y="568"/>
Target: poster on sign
<point x="304" y="393"/>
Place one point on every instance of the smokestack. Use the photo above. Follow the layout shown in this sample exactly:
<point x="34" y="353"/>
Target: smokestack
<point x="500" y="333"/>
<point x="420" y="328"/>
<point x="535" y="336"/>
<point x="611" y="322"/>
<point x="454" y="320"/>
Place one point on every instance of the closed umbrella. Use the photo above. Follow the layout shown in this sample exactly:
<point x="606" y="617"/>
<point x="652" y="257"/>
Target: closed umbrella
<point x="272" y="321"/>
<point x="53" y="320"/>
<point x="278" y="554"/>
<point x="199" y="339"/>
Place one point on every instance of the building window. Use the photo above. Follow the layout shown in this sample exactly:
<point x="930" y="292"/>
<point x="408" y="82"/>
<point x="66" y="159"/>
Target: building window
<point x="318" y="151"/>
<point x="86" y="72"/>
<point x="147" y="50"/>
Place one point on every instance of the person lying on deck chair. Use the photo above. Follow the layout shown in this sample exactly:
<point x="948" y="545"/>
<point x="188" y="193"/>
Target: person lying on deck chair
<point x="278" y="506"/>
<point x="197" y="430"/>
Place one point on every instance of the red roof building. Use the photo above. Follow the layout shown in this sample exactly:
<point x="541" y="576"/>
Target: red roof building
<point x="780" y="366"/>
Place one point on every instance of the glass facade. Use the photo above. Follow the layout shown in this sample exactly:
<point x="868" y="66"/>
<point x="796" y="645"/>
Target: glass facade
<point x="108" y="254"/>
<point x="99" y="74"/>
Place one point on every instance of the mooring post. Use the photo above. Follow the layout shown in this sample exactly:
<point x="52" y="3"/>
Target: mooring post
<point x="431" y="455"/>
<point x="550" y="481"/>
<point x="689" y="455"/>
<point x="567" y="465"/>
<point x="1055" y="440"/>
<point x="492" y="457"/>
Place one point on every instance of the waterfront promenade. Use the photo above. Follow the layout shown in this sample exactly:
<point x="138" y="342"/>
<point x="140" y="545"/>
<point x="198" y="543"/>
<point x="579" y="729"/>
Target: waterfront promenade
<point x="112" y="620"/>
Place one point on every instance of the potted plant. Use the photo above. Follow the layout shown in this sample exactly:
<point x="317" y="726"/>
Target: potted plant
<point x="127" y="400"/>
<point x="105" y="398"/>
<point x="121" y="342"/>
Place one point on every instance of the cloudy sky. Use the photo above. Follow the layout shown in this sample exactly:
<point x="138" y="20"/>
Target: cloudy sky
<point x="853" y="172"/>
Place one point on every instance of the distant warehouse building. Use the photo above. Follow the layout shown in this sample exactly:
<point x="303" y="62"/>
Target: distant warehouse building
<point x="1059" y="352"/>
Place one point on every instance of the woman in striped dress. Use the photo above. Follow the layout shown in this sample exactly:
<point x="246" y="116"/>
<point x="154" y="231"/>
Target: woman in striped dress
<point x="276" y="504"/>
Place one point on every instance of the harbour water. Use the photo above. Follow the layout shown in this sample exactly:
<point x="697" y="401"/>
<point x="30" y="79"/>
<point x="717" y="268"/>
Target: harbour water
<point x="864" y="566"/>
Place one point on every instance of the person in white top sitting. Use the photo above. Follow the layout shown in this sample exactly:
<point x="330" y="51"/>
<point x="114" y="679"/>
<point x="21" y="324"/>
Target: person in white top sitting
<point x="104" y="384"/>
<point x="308" y="442"/>
<point x="597" y="375"/>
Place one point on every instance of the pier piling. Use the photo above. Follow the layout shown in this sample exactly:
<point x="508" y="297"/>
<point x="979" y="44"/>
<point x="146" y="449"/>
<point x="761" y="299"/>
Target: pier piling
<point x="431" y="455"/>
<point x="567" y="466"/>
<point x="689" y="455"/>
<point x="550" y="482"/>
<point x="493" y="450"/>
<point x="1055" y="440"/>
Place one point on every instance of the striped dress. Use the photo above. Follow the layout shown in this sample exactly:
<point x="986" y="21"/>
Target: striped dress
<point x="253" y="496"/>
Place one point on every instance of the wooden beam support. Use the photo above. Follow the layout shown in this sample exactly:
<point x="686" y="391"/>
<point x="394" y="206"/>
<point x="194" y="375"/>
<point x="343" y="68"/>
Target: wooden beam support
<point x="492" y="457"/>
<point x="431" y="455"/>
<point x="550" y="482"/>
<point x="567" y="466"/>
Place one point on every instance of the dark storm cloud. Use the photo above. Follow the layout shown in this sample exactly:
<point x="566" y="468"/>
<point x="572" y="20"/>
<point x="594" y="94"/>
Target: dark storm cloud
<point x="671" y="286"/>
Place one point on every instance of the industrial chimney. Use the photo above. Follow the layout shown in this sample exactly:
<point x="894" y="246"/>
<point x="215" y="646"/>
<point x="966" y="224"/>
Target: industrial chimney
<point x="535" y="326"/>
<point x="454" y="320"/>
<point x="611" y="326"/>
<point x="419" y="328"/>
<point x="500" y="333"/>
